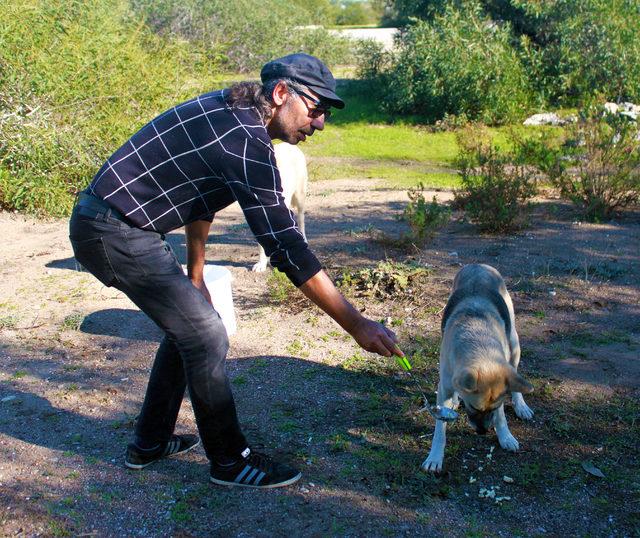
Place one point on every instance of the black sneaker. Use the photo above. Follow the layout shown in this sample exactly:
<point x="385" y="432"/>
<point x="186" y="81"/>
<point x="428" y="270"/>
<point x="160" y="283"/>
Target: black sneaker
<point x="138" y="458"/>
<point x="254" y="470"/>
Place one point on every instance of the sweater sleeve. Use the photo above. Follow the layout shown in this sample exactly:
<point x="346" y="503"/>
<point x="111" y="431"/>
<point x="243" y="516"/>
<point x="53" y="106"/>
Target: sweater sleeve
<point x="251" y="173"/>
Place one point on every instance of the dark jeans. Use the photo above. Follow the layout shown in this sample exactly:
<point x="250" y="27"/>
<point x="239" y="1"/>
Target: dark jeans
<point x="192" y="354"/>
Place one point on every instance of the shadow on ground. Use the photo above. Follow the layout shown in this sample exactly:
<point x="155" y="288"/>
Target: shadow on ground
<point x="358" y="439"/>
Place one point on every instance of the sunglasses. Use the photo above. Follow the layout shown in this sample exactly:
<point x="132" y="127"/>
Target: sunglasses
<point x="318" y="110"/>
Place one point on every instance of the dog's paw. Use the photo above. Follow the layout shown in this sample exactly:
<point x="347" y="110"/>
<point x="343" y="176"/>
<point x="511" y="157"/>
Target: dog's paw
<point x="508" y="441"/>
<point x="432" y="464"/>
<point x="259" y="267"/>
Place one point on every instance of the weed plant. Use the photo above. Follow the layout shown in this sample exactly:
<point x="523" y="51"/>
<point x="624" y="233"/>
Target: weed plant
<point x="279" y="286"/>
<point x="387" y="279"/>
<point x="496" y="186"/>
<point x="424" y="218"/>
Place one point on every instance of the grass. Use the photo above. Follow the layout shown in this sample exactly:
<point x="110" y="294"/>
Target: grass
<point x="72" y="322"/>
<point x="8" y="322"/>
<point x="361" y="141"/>
<point x="279" y="286"/>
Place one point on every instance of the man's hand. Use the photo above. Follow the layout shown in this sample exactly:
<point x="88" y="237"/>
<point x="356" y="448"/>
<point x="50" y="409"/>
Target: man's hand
<point x="375" y="337"/>
<point x="370" y="335"/>
<point x="200" y="285"/>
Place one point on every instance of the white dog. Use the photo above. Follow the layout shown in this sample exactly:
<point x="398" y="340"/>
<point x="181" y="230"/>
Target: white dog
<point x="293" y="174"/>
<point x="479" y="359"/>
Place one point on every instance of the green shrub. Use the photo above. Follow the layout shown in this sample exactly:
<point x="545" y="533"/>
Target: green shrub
<point x="598" y="165"/>
<point x="496" y="186"/>
<point x="244" y="34"/>
<point x="572" y="49"/>
<point x="77" y="78"/>
<point x="424" y="218"/>
<point x="583" y="48"/>
<point x="458" y="63"/>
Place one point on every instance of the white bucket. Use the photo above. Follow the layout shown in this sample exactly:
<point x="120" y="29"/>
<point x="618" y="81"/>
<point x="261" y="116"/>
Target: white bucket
<point x="218" y="281"/>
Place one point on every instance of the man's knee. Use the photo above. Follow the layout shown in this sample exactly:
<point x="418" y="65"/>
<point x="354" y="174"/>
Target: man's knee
<point x="208" y="337"/>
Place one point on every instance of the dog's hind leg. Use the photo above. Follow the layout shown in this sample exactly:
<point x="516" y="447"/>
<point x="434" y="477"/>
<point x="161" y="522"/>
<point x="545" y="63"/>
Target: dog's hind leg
<point x="433" y="463"/>
<point x="261" y="264"/>
<point x="298" y="203"/>
<point x="505" y="437"/>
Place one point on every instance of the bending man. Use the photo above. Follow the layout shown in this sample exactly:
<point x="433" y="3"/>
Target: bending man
<point x="179" y="170"/>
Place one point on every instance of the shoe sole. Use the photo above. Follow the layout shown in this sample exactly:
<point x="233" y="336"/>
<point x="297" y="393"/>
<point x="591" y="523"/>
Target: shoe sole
<point x="138" y="466"/>
<point x="268" y="486"/>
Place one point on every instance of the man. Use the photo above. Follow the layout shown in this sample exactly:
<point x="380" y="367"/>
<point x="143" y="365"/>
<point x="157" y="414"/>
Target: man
<point x="179" y="170"/>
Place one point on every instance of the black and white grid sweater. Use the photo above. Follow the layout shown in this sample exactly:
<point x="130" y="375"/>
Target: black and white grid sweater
<point x="196" y="159"/>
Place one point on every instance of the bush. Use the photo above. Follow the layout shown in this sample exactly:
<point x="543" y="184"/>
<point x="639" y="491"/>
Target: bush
<point x="598" y="165"/>
<point x="354" y="13"/>
<point x="424" y="218"/>
<point x="245" y="34"/>
<point x="459" y="63"/>
<point x="571" y="49"/>
<point x="496" y="186"/>
<point x="588" y="49"/>
<point x="77" y="78"/>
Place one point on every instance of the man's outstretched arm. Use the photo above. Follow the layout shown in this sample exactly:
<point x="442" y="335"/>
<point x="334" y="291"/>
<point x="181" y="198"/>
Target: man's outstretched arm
<point x="369" y="335"/>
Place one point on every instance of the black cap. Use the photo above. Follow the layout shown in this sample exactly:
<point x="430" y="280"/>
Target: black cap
<point x="307" y="70"/>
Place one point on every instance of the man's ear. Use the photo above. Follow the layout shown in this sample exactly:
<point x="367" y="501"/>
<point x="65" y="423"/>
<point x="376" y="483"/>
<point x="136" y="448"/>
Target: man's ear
<point x="517" y="383"/>
<point x="466" y="380"/>
<point x="280" y="93"/>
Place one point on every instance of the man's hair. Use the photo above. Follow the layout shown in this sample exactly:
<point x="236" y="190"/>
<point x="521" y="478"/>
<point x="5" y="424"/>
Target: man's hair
<point x="260" y="96"/>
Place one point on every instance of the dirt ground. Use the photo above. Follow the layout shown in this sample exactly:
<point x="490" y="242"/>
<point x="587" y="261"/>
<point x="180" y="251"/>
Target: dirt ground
<point x="75" y="356"/>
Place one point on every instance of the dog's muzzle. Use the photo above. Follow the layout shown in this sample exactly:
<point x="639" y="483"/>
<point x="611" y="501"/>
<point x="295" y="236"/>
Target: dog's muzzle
<point x="481" y="421"/>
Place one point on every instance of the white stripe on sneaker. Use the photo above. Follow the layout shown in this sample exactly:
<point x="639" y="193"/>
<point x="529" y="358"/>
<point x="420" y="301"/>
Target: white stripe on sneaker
<point x="260" y="477"/>
<point x="242" y="474"/>
<point x="250" y="476"/>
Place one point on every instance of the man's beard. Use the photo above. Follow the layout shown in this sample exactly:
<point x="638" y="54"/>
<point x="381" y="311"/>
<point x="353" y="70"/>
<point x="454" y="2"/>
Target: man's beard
<point x="284" y="125"/>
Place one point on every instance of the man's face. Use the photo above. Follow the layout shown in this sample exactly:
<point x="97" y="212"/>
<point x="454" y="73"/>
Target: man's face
<point x="293" y="119"/>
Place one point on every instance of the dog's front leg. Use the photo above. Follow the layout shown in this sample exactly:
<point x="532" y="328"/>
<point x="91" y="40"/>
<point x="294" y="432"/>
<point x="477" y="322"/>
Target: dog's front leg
<point x="433" y="463"/>
<point x="505" y="437"/>
<point x="521" y="408"/>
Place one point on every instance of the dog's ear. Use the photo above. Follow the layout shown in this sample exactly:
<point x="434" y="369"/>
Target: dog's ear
<point x="466" y="380"/>
<point x="517" y="383"/>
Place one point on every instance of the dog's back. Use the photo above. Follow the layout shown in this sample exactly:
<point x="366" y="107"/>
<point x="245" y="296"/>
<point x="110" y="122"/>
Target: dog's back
<point x="293" y="173"/>
<point x="473" y="285"/>
<point x="479" y="305"/>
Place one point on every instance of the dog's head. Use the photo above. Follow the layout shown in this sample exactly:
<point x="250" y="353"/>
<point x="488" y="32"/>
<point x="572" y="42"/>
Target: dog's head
<point x="484" y="390"/>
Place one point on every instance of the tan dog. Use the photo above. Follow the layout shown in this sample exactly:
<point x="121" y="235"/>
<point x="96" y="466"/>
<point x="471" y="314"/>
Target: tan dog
<point x="479" y="358"/>
<point x="293" y="175"/>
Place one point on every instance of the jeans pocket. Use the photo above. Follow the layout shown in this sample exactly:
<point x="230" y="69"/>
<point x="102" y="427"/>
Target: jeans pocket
<point x="92" y="255"/>
<point x="151" y="253"/>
